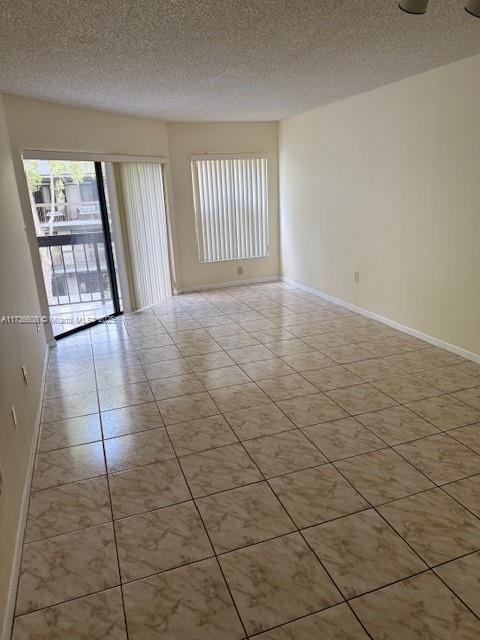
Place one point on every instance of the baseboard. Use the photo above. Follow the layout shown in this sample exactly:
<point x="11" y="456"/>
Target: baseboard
<point x="448" y="346"/>
<point x="222" y="285"/>
<point x="22" y="520"/>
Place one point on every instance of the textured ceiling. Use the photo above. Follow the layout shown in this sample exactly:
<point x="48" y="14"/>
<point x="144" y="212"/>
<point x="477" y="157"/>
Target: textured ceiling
<point x="221" y="59"/>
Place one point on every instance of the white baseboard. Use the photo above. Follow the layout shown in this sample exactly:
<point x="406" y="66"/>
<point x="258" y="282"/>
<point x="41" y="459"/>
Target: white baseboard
<point x="22" y="520"/>
<point x="222" y="285"/>
<point x="448" y="346"/>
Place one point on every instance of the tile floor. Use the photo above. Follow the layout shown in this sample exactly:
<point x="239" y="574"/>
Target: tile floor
<point x="254" y="462"/>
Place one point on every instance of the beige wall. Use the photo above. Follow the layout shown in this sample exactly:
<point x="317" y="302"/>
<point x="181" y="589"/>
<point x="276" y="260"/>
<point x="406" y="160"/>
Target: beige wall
<point x="226" y="137"/>
<point x="387" y="183"/>
<point x="19" y="345"/>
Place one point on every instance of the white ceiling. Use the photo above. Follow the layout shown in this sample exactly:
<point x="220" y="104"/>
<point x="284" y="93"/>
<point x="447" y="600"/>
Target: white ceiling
<point x="221" y="59"/>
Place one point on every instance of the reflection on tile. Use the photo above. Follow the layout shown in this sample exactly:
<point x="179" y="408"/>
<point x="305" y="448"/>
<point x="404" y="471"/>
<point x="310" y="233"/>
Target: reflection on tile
<point x="332" y="378"/>
<point x="117" y="397"/>
<point x="277" y="581"/>
<point x="156" y="370"/>
<point x="72" y="506"/>
<point x="467" y="492"/>
<point x="200" y="435"/>
<point x="189" y="602"/>
<point x="342" y="438"/>
<point x="283" y="453"/>
<point x="68" y="465"/>
<point x="70" y="432"/>
<point x="311" y="410"/>
<point x="223" y="377"/>
<point x="176" y="386"/>
<point x="316" y="495"/>
<point x="463" y="577"/>
<point x="441" y="458"/>
<point x="243" y="516"/>
<point x="437" y="527"/>
<point x="138" y="417"/>
<point x="361" y="398"/>
<point x="445" y="412"/>
<point x="117" y="377"/>
<point x="96" y="617"/>
<point x="240" y="396"/>
<point x="285" y="387"/>
<point x="336" y="623"/>
<point x="219" y="469"/>
<point x="146" y="488"/>
<point x="266" y="369"/>
<point x="69" y="385"/>
<point x="382" y="476"/>
<point x="361" y="552"/>
<point x="396" y="425"/>
<point x="66" y="567"/>
<point x="198" y="405"/>
<point x="81" y="404"/>
<point x="414" y="609"/>
<point x="160" y="540"/>
<point x="258" y="421"/>
<point x="137" y="449"/>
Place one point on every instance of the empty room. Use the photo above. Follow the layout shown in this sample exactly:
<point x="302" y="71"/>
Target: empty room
<point x="240" y="320"/>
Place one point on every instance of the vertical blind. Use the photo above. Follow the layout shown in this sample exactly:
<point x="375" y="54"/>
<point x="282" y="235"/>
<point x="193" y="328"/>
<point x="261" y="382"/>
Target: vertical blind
<point x="231" y="208"/>
<point x="146" y="226"/>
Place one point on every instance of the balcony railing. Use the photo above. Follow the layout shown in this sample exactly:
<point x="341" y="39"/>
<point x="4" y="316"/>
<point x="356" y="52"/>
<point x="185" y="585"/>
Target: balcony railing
<point x="75" y="268"/>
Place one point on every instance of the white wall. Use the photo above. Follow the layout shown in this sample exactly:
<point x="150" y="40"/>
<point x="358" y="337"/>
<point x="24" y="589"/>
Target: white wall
<point x="225" y="137"/>
<point x="20" y="344"/>
<point x="388" y="183"/>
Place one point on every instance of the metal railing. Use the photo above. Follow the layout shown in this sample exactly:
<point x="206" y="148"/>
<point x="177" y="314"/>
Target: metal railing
<point x="75" y="268"/>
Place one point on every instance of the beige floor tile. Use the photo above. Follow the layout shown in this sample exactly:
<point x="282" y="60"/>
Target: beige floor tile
<point x="308" y="361"/>
<point x="200" y="347"/>
<point x="343" y="438"/>
<point x="329" y="378"/>
<point x="406" y="388"/>
<point x="138" y="417"/>
<point x="243" y="516"/>
<point x="183" y="408"/>
<point x="290" y="347"/>
<point x="469" y="436"/>
<point x="361" y="398"/>
<point x="96" y="617"/>
<point x="437" y="527"/>
<point x="119" y="377"/>
<point x="70" y="385"/>
<point x="152" y="341"/>
<point x="66" y="567"/>
<point x="70" y="432"/>
<point x="470" y="397"/>
<point x="219" y="470"/>
<point x="467" y="492"/>
<point x="285" y="387"/>
<point x="311" y="410"/>
<point x="450" y="379"/>
<point x="158" y="354"/>
<point x="463" y="577"/>
<point x="445" y="412"/>
<point x="67" y="508"/>
<point x="277" y="581"/>
<point x="188" y="602"/>
<point x="441" y="458"/>
<point x="345" y="353"/>
<point x="316" y="495"/>
<point x="262" y="420"/>
<point x="147" y="488"/>
<point x="235" y="341"/>
<point x="194" y="436"/>
<point x="283" y="453"/>
<point x="240" y="396"/>
<point x="373" y="369"/>
<point x="382" y="476"/>
<point x="361" y="552"/>
<point x="397" y="425"/>
<point x="251" y="354"/>
<point x="137" y="449"/>
<point x="336" y="623"/>
<point x="58" y="467"/>
<point x="81" y="404"/>
<point x="210" y="361"/>
<point x="129" y="394"/>
<point x="223" y="377"/>
<point x="167" y="368"/>
<point x="415" y="609"/>
<point x="176" y="386"/>
<point x="160" y="540"/>
<point x="267" y="369"/>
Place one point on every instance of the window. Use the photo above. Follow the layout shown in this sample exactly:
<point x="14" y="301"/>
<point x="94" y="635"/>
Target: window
<point x="231" y="208"/>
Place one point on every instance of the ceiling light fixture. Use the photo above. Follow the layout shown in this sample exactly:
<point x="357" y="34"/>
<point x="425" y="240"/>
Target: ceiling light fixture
<point x="473" y="7"/>
<point x="413" y="6"/>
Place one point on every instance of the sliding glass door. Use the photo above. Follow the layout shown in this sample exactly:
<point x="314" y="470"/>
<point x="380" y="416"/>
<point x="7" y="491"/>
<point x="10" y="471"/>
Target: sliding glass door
<point x="73" y="229"/>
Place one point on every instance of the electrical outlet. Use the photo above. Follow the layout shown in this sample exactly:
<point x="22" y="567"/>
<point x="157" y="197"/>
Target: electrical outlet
<point x="14" y="416"/>
<point x="24" y="374"/>
<point x="356" y="276"/>
<point x="240" y="271"/>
